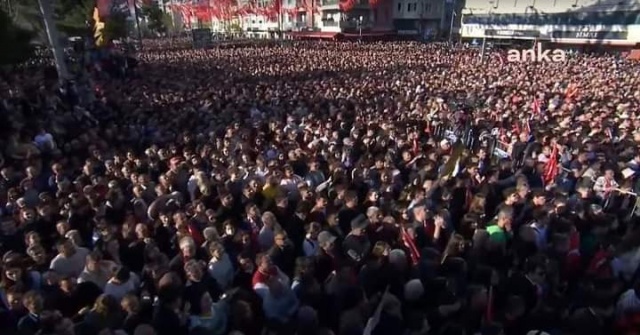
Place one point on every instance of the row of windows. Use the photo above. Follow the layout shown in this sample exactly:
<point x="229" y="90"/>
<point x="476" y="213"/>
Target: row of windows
<point x="413" y="7"/>
<point x="570" y="18"/>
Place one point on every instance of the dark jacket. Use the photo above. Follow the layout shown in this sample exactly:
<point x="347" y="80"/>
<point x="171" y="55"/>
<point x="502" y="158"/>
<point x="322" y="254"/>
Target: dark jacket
<point x="166" y="322"/>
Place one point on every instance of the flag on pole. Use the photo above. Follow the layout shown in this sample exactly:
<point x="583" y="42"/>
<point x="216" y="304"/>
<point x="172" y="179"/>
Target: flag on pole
<point x="488" y="314"/>
<point x="453" y="163"/>
<point x="409" y="243"/>
<point x="526" y="127"/>
<point x="551" y="167"/>
<point x="609" y="133"/>
<point x="456" y="168"/>
<point x="536" y="107"/>
<point x="571" y="92"/>
<point x="98" y="27"/>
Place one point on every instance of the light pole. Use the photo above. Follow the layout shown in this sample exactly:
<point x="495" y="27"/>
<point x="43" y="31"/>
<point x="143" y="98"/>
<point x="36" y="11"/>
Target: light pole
<point x="54" y="40"/>
<point x="453" y="15"/>
<point x="360" y="28"/>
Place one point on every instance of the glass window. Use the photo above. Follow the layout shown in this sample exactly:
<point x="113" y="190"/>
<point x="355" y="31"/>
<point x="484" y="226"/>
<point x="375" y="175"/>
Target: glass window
<point x="408" y="7"/>
<point x="582" y="18"/>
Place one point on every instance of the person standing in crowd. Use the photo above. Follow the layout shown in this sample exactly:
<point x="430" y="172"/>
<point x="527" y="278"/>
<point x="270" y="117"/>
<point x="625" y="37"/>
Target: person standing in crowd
<point x="318" y="187"/>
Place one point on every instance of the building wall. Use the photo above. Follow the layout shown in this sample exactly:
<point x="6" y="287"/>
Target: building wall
<point x="547" y="6"/>
<point x="561" y="21"/>
<point x="418" y="9"/>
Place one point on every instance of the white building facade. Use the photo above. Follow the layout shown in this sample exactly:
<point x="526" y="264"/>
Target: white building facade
<point x="607" y="22"/>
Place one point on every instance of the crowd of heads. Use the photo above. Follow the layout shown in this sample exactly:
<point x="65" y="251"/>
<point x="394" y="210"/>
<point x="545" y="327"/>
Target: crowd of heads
<point x="309" y="188"/>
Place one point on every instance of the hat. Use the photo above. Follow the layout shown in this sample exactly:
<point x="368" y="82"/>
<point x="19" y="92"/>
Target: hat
<point x="360" y="222"/>
<point x="325" y="238"/>
<point x="413" y="290"/>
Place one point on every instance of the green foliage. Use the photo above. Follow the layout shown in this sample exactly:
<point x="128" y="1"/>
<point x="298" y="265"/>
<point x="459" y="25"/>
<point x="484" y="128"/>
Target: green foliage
<point x="167" y="20"/>
<point x="72" y="16"/>
<point x="17" y="41"/>
<point x="155" y="18"/>
<point x="116" y="26"/>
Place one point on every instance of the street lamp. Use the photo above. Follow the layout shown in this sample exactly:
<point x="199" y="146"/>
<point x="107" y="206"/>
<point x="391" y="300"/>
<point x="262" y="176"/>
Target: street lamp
<point x="359" y="22"/>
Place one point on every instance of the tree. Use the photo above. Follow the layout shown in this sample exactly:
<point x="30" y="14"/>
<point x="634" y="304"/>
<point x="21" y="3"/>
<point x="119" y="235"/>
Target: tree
<point x="72" y="16"/>
<point x="155" y="17"/>
<point x="16" y="38"/>
<point x="116" y="26"/>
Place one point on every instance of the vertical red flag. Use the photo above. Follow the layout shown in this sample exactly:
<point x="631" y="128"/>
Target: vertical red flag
<point x="408" y="242"/>
<point x="551" y="168"/>
<point x="536" y="106"/>
<point x="571" y="92"/>
<point x="516" y="128"/>
<point x="488" y="314"/>
<point x="526" y="127"/>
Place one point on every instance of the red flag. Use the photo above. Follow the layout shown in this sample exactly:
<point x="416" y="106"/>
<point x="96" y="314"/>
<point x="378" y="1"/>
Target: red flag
<point x="551" y="168"/>
<point x="516" y="128"/>
<point x="488" y="314"/>
<point x="536" y="106"/>
<point x="408" y="242"/>
<point x="571" y="92"/>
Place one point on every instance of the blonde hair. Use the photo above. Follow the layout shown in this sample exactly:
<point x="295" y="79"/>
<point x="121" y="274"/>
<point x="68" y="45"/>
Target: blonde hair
<point x="187" y="242"/>
<point x="131" y="302"/>
<point x="105" y="304"/>
<point x="204" y="186"/>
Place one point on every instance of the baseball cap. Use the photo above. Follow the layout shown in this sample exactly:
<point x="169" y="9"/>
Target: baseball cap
<point x="325" y="238"/>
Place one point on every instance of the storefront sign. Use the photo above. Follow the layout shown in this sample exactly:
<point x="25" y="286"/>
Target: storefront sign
<point x="591" y="35"/>
<point x="512" y="33"/>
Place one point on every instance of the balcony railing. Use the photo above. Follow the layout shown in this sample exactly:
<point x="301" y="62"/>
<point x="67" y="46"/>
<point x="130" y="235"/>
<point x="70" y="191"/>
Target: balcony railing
<point x="330" y="23"/>
<point x="330" y="2"/>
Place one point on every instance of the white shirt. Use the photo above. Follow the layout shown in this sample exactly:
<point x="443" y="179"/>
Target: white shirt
<point x="265" y="238"/>
<point x="70" y="266"/>
<point x="222" y="271"/>
<point x="542" y="158"/>
<point x="601" y="185"/>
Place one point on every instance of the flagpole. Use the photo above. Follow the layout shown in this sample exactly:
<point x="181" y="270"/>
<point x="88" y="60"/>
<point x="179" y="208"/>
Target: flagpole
<point x="484" y="46"/>
<point x="53" y="37"/>
<point x="453" y="15"/>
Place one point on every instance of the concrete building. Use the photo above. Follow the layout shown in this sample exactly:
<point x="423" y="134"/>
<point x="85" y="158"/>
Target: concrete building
<point x="419" y="17"/>
<point x="407" y="17"/>
<point x="610" y="22"/>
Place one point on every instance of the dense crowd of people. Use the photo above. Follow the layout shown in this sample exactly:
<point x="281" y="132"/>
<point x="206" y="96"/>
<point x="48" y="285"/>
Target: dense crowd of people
<point x="322" y="188"/>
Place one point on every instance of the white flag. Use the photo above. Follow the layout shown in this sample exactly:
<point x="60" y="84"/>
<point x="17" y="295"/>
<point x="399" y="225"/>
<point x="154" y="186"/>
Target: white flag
<point x="456" y="168"/>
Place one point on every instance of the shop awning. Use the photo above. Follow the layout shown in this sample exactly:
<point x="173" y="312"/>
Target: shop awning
<point x="313" y="34"/>
<point x="371" y="34"/>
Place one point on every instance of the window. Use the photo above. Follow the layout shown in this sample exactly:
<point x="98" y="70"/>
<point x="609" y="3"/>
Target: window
<point x="408" y="7"/>
<point x="399" y="6"/>
<point x="570" y="18"/>
<point x="427" y="8"/>
<point x="415" y="6"/>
